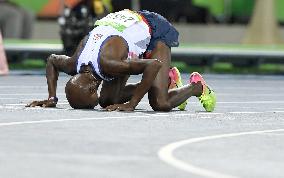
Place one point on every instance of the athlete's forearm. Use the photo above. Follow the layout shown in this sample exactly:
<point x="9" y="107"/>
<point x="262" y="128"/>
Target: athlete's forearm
<point x="149" y="75"/>
<point x="51" y="76"/>
<point x="56" y="64"/>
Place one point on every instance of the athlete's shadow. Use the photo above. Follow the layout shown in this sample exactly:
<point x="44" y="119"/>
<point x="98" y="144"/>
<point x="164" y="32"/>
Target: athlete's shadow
<point x="152" y="112"/>
<point x="101" y="110"/>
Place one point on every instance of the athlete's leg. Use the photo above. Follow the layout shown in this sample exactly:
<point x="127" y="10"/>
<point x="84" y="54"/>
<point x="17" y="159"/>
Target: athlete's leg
<point x="160" y="98"/>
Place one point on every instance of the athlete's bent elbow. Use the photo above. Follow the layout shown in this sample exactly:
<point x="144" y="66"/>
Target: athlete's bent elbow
<point x="50" y="59"/>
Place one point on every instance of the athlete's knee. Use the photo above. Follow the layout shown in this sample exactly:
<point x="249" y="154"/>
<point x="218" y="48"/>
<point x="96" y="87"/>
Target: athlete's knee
<point x="51" y="57"/>
<point x="161" y="106"/>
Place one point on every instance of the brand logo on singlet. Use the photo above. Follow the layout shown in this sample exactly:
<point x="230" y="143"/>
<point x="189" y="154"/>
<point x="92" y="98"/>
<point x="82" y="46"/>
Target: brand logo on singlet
<point x="97" y="37"/>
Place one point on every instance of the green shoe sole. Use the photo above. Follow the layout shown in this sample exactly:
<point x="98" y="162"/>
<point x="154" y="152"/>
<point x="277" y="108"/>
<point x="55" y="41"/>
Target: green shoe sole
<point x="208" y="99"/>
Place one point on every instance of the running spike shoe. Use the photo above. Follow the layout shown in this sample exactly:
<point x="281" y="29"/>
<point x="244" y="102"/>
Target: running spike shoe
<point x="176" y="82"/>
<point x="208" y="97"/>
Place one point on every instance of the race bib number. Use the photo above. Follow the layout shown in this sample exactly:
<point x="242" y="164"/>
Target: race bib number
<point x="120" y="20"/>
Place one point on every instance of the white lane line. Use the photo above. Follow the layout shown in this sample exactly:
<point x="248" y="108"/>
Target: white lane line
<point x="12" y="99"/>
<point x="144" y="102"/>
<point x="203" y="115"/>
<point x="254" y="112"/>
<point x="19" y="106"/>
<point x="250" y="102"/>
<point x="245" y="88"/>
<point x="219" y="94"/>
<point x="166" y="153"/>
<point x="89" y="119"/>
<point x="273" y="134"/>
<point x="21" y="86"/>
<point x="66" y="120"/>
<point x="24" y="99"/>
<point x="22" y="107"/>
<point x="251" y="94"/>
<point x="26" y="94"/>
<point x="216" y="88"/>
<point x="24" y="104"/>
<point x="192" y="102"/>
<point x="98" y="118"/>
<point x="64" y="102"/>
<point x="244" y="112"/>
<point x="26" y="86"/>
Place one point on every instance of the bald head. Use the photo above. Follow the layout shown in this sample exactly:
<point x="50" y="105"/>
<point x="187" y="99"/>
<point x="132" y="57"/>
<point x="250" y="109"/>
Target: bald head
<point x="81" y="91"/>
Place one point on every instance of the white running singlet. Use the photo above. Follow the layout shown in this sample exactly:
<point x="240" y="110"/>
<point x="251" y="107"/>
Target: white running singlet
<point x="126" y="24"/>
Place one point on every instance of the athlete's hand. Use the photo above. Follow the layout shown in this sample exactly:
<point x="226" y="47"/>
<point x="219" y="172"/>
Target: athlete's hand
<point x="120" y="107"/>
<point x="44" y="103"/>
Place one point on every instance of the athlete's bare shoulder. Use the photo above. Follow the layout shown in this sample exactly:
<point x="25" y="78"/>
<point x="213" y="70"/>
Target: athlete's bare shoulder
<point x="115" y="48"/>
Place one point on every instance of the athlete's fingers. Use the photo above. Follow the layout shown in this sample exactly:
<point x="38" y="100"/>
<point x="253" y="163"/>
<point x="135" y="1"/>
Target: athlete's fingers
<point x="112" y="107"/>
<point x="35" y="103"/>
<point x="32" y="104"/>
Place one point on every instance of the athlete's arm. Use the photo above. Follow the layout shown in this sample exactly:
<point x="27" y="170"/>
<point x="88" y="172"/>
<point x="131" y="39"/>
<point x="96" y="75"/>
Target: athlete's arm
<point x="149" y="68"/>
<point x="54" y="65"/>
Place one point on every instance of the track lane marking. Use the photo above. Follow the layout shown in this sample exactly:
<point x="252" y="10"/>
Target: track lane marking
<point x="20" y="106"/>
<point x="221" y="102"/>
<point x="166" y="153"/>
<point x="27" y="94"/>
<point x="67" y="120"/>
<point x="93" y="118"/>
<point x="249" y="102"/>
<point x="24" y="104"/>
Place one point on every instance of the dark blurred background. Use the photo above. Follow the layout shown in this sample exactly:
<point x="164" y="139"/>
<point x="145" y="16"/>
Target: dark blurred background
<point x="204" y="25"/>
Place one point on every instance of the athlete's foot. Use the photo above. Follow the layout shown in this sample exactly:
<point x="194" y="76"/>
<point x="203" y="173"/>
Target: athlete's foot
<point x="197" y="88"/>
<point x="176" y="82"/>
<point x="207" y="97"/>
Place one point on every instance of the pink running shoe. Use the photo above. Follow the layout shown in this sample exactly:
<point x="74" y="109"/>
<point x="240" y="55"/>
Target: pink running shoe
<point x="208" y="97"/>
<point x="176" y="82"/>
